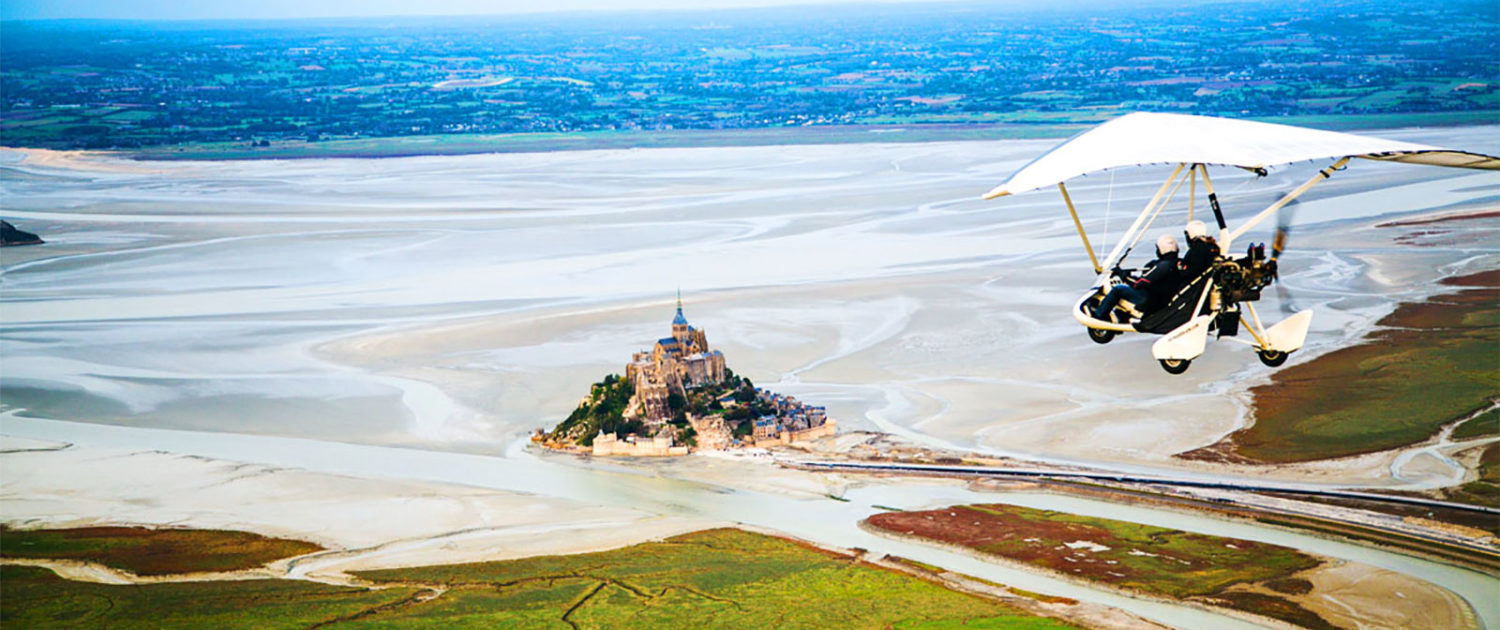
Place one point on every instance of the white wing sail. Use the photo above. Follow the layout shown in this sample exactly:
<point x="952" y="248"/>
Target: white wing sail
<point x="1149" y="138"/>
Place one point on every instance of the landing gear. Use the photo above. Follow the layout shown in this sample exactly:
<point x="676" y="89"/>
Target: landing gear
<point x="1176" y="366"/>
<point x="1271" y="358"/>
<point x="1097" y="335"/>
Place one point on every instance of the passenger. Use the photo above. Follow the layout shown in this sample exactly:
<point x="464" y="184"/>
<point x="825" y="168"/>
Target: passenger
<point x="1201" y="252"/>
<point x="1152" y="290"/>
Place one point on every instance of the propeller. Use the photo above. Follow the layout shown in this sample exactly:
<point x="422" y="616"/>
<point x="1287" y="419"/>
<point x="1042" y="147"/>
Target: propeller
<point x="1278" y="244"/>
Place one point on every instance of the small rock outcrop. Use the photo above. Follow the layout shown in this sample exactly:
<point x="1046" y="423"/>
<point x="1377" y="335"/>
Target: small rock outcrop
<point x="9" y="235"/>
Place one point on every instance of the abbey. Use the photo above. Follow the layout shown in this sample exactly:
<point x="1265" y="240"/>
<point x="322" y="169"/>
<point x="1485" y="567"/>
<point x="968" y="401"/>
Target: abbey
<point x="678" y="397"/>
<point x="674" y="365"/>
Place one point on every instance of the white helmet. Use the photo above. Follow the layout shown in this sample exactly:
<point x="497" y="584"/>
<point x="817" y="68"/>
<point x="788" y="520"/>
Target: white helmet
<point x="1196" y="229"/>
<point x="1166" y="244"/>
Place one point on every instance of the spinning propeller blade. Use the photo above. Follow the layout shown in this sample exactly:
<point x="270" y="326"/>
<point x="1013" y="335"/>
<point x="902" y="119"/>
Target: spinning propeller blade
<point x="1278" y="245"/>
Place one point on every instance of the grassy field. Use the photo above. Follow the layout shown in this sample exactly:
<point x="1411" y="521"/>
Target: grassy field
<point x="145" y="551"/>
<point x="723" y="578"/>
<point x="1430" y="364"/>
<point x="37" y="598"/>
<point x="1484" y="424"/>
<point x="1482" y="491"/>
<point x="1152" y="560"/>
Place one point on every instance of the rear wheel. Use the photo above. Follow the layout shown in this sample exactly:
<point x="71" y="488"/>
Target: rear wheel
<point x="1272" y="358"/>
<point x="1097" y="335"/>
<point x="1175" y="366"/>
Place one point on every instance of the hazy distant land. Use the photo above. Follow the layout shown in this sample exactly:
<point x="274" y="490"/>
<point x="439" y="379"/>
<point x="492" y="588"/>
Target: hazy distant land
<point x="464" y="84"/>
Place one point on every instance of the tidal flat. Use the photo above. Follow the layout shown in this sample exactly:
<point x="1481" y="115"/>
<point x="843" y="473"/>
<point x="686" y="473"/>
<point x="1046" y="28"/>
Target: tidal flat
<point x="459" y="302"/>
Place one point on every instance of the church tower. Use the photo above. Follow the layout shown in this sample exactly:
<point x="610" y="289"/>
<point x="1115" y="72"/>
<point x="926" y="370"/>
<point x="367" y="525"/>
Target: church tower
<point x="680" y="329"/>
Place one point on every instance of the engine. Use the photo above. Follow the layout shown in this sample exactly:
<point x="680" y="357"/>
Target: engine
<point x="1241" y="279"/>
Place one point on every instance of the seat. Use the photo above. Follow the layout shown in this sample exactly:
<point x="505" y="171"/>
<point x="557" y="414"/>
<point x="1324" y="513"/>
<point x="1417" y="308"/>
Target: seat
<point x="1178" y="310"/>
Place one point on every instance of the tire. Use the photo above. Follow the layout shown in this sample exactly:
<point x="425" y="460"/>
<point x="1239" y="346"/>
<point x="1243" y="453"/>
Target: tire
<point x="1272" y="358"/>
<point x="1175" y="366"/>
<point x="1096" y="335"/>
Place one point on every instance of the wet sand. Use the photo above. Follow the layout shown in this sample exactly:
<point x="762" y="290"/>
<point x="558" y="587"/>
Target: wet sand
<point x="1353" y="596"/>
<point x="460" y="302"/>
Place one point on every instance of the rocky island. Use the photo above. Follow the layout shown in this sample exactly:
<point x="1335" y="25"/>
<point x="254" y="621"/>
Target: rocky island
<point x="678" y="397"/>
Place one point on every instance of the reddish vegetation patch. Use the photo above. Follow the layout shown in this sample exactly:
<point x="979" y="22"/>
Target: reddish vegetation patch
<point x="1490" y="279"/>
<point x="1125" y="554"/>
<point x="1482" y="214"/>
<point x="1452" y="230"/>
<point x="1132" y="556"/>
<point x="1274" y="607"/>
<point x="1003" y="533"/>
<point x="1290" y="586"/>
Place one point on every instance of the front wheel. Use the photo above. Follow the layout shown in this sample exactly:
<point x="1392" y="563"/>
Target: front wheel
<point x="1272" y="358"/>
<point x="1175" y="366"/>
<point x="1097" y="335"/>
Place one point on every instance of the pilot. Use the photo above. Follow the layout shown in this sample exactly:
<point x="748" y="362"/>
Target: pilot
<point x="1201" y="251"/>
<point x="1152" y="290"/>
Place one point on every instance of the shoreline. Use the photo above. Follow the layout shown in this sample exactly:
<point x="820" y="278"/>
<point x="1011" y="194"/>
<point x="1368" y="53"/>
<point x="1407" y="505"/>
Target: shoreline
<point x="551" y="142"/>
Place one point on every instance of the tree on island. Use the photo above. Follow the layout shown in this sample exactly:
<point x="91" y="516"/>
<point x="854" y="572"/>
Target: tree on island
<point x="603" y="410"/>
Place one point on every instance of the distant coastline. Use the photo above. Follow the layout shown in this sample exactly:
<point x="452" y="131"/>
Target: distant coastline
<point x="547" y="142"/>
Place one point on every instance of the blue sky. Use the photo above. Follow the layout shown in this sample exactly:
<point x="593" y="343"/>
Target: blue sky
<point x="278" y="9"/>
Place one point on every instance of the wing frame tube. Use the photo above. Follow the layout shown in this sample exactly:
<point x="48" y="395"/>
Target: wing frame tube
<point x="1079" y="224"/>
<point x="1285" y="199"/>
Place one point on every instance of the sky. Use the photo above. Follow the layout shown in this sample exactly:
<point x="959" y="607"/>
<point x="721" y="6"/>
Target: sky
<point x="292" y="9"/>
